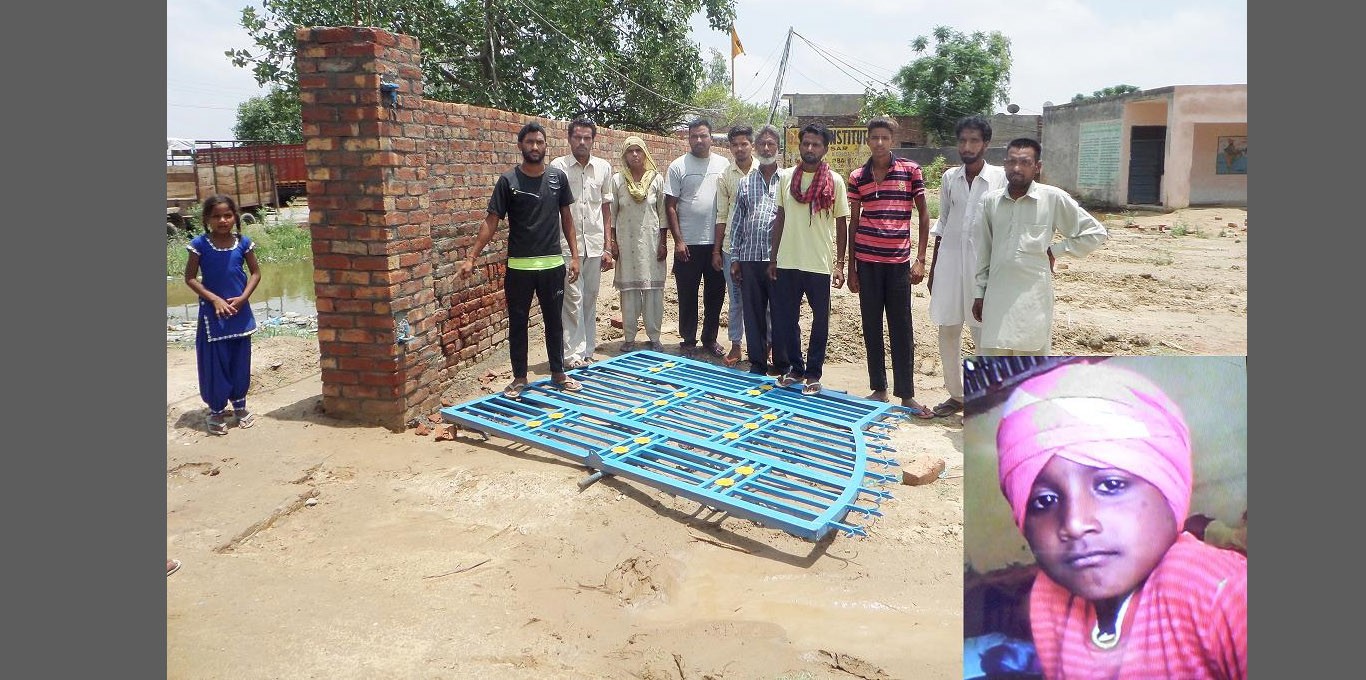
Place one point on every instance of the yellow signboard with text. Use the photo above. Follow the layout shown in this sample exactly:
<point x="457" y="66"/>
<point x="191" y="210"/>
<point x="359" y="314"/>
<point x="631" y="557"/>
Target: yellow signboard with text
<point x="847" y="152"/>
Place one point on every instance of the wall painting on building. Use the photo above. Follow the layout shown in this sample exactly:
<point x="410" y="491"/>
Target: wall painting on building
<point x="1231" y="158"/>
<point x="1098" y="154"/>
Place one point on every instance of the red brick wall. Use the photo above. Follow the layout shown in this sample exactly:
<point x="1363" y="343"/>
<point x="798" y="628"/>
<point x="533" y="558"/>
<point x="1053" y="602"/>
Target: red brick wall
<point x="396" y="198"/>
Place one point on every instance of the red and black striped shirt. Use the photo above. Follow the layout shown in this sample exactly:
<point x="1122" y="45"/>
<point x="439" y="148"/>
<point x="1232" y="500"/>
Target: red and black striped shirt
<point x="883" y="232"/>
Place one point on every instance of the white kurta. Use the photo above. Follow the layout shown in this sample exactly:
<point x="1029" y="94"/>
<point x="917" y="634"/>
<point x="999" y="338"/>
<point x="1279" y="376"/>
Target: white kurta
<point x="592" y="187"/>
<point x="955" y="266"/>
<point x="1012" y="240"/>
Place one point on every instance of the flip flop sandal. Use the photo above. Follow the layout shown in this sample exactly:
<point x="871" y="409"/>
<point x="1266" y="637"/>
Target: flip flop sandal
<point x="920" y="412"/>
<point x="717" y="350"/>
<point x="576" y="363"/>
<point x="569" y="385"/>
<point x="811" y="388"/>
<point x="948" y="407"/>
<point x="216" y="425"/>
<point x="513" y="390"/>
<point x="173" y="567"/>
<point x="788" y="380"/>
<point x="731" y="361"/>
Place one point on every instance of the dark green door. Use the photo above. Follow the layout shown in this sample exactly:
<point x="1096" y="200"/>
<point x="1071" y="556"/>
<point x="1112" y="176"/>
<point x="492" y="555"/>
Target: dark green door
<point x="1147" y="145"/>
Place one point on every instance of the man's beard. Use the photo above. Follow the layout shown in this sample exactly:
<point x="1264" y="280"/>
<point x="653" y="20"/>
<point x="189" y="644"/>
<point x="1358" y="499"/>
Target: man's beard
<point x="532" y="156"/>
<point x="765" y="160"/>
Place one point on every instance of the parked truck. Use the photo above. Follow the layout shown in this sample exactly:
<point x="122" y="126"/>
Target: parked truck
<point x="257" y="175"/>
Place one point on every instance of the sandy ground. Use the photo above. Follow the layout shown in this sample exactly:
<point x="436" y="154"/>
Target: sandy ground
<point x="474" y="559"/>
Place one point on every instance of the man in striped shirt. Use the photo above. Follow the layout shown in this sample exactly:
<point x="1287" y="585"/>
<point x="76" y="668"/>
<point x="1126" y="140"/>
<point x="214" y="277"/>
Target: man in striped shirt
<point x="751" y="226"/>
<point x="882" y="195"/>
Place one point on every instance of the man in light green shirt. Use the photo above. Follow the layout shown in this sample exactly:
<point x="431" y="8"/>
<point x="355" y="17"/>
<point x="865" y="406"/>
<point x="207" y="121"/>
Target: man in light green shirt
<point x="810" y="232"/>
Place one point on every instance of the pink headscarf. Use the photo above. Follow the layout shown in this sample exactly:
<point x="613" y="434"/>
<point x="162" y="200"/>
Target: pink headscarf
<point x="1095" y="415"/>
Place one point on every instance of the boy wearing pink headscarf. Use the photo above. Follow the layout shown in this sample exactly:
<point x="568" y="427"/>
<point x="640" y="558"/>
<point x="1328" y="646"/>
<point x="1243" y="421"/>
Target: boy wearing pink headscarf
<point x="1095" y="462"/>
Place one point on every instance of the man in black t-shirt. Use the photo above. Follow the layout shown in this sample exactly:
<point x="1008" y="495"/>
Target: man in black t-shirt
<point x="535" y="199"/>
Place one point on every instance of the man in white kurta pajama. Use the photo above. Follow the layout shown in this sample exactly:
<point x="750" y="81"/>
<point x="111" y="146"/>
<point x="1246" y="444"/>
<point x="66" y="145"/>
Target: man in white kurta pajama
<point x="954" y="266"/>
<point x="590" y="180"/>
<point x="1015" y="253"/>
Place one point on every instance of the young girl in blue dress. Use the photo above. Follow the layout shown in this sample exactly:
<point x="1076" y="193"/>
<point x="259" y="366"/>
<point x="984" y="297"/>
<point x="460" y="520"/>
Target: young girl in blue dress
<point x="222" y="271"/>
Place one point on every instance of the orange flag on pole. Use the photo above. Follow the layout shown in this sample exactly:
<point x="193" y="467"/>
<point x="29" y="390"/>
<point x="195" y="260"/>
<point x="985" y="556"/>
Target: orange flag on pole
<point x="736" y="49"/>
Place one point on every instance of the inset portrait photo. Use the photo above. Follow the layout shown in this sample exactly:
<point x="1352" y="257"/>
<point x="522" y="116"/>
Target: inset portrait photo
<point x="1105" y="517"/>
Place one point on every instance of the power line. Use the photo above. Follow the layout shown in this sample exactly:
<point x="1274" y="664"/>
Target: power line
<point x="819" y="51"/>
<point x="602" y="61"/>
<point x="768" y="62"/>
<point x="870" y="65"/>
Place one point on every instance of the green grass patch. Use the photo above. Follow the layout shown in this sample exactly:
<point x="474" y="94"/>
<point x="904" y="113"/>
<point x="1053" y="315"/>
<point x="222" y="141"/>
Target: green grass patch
<point x="283" y="242"/>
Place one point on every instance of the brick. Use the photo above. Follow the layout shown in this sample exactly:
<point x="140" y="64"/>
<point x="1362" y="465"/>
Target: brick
<point x="321" y="115"/>
<point x="354" y="306"/>
<point x="356" y="391"/>
<point x="336" y="321"/>
<point x="332" y="262"/>
<point x="340" y="377"/>
<point x="355" y="335"/>
<point x="394" y="379"/>
<point x="921" y="470"/>
<point x="329" y="129"/>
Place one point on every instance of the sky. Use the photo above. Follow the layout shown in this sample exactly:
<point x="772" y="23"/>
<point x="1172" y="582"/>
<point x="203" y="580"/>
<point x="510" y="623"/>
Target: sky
<point x="1059" y="47"/>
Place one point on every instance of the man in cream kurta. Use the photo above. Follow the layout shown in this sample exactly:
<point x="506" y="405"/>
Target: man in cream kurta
<point x="1015" y="254"/>
<point x="590" y="180"/>
<point x="954" y="266"/>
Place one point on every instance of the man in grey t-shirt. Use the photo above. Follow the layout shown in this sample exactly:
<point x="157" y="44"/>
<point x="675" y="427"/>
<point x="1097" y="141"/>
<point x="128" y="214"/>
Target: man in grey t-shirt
<point x="690" y="204"/>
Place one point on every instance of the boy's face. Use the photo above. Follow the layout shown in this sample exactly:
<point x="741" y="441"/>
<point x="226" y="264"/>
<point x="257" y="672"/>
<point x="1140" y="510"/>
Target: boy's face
<point x="1096" y="531"/>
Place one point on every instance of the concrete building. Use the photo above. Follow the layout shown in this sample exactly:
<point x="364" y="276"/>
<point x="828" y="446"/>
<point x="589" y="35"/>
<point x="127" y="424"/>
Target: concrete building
<point x="1171" y="147"/>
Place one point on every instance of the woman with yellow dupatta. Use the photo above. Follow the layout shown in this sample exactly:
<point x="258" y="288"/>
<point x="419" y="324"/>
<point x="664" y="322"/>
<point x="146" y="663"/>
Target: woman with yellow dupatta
<point x="640" y="247"/>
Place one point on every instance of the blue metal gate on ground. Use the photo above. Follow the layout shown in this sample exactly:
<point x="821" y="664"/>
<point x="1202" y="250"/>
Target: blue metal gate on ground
<point x="725" y="438"/>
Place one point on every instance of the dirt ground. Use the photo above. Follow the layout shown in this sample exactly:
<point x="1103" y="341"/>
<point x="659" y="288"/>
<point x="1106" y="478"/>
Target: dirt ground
<point x="475" y="559"/>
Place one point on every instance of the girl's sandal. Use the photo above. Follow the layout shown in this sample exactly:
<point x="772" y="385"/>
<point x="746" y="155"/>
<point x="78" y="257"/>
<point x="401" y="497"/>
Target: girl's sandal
<point x="216" y="425"/>
<point x="811" y="388"/>
<point x="789" y="379"/>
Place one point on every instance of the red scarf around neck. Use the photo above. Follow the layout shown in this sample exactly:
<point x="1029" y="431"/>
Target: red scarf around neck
<point x="821" y="194"/>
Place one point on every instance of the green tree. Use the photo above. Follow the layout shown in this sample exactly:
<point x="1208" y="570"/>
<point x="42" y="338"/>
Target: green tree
<point x="882" y="102"/>
<point x="963" y="75"/>
<point x="714" y="103"/>
<point x="1112" y="91"/>
<point x="272" y="118"/>
<point x="628" y="64"/>
<point x="718" y="72"/>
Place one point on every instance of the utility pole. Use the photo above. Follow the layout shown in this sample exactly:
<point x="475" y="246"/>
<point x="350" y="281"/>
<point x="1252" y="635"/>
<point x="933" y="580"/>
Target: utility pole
<point x="778" y="82"/>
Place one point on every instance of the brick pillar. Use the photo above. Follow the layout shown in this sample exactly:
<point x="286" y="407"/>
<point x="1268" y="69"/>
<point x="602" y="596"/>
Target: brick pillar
<point x="368" y="202"/>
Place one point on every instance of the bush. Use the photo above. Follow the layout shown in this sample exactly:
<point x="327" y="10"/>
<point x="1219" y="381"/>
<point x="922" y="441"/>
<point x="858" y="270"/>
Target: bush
<point x="934" y="173"/>
<point x="283" y="242"/>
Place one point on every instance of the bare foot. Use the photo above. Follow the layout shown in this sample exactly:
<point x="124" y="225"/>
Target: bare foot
<point x="878" y="395"/>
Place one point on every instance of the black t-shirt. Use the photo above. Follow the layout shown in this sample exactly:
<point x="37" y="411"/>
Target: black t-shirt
<point x="532" y="208"/>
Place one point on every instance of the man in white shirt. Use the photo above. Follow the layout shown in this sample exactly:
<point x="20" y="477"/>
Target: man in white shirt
<point x="1015" y="254"/>
<point x="590" y="180"/>
<point x="690" y="206"/>
<point x="955" y="259"/>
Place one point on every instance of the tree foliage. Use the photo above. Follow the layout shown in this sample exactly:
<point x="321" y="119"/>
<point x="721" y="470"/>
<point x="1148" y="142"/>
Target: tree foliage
<point x="628" y="64"/>
<point x="962" y="75"/>
<point x="718" y="72"/>
<point x="714" y="103"/>
<point x="272" y="118"/>
<point x="1113" y="90"/>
